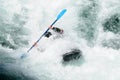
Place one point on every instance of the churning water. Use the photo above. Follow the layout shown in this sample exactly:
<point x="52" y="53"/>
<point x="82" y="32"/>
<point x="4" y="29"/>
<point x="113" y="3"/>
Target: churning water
<point x="93" y="26"/>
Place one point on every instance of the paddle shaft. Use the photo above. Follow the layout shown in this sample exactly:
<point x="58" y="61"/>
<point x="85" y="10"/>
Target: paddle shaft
<point x="42" y="35"/>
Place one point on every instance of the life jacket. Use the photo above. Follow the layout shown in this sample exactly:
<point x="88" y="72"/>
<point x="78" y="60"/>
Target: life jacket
<point x="58" y="30"/>
<point x="55" y="29"/>
<point x="48" y="34"/>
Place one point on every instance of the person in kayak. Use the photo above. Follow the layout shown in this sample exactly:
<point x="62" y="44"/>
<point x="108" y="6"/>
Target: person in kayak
<point x="55" y="29"/>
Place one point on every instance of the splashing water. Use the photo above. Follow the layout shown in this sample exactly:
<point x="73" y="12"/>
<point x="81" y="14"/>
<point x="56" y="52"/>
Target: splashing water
<point x="93" y="26"/>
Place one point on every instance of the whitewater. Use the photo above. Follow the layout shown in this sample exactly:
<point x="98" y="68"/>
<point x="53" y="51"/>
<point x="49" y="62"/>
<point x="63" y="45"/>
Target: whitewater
<point x="93" y="26"/>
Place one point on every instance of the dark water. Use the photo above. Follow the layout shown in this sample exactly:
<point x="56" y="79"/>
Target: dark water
<point x="9" y="72"/>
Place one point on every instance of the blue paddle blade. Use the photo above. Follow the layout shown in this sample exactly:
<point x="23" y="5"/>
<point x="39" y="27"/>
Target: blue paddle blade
<point x="61" y="13"/>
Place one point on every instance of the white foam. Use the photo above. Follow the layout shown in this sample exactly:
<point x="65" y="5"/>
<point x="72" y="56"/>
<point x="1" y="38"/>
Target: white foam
<point x="45" y="61"/>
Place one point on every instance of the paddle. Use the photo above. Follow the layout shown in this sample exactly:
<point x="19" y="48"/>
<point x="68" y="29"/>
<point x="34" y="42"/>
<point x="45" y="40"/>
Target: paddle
<point x="58" y="17"/>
